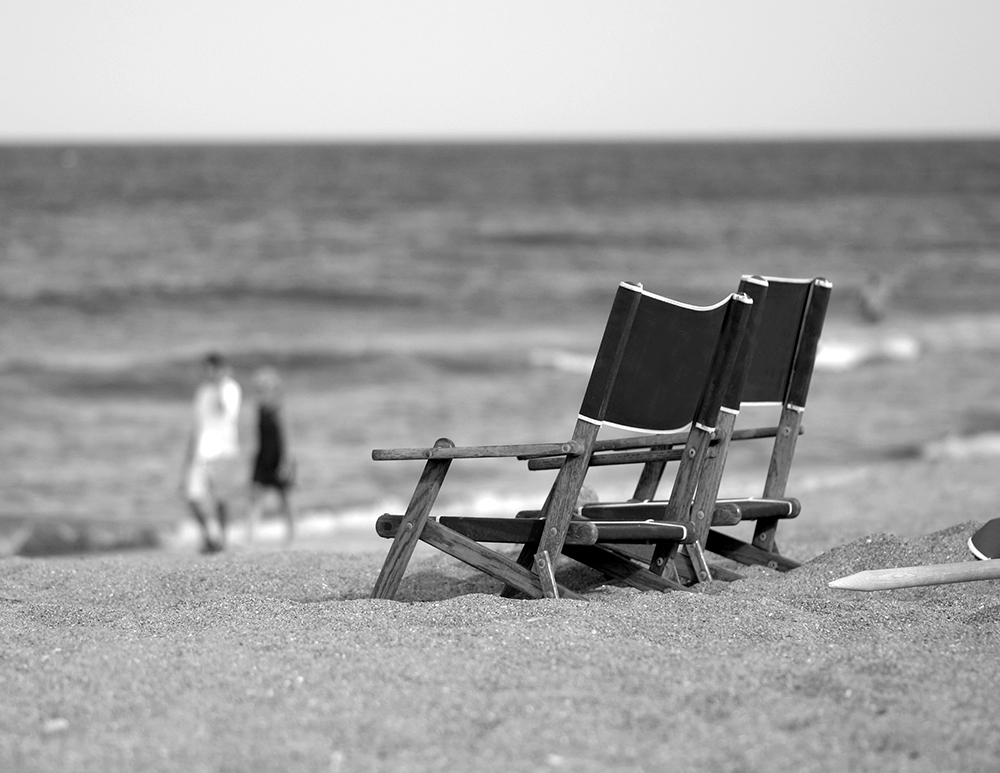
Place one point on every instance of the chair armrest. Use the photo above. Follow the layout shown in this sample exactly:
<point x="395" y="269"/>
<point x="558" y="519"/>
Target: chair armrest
<point x="756" y="508"/>
<point x="528" y="450"/>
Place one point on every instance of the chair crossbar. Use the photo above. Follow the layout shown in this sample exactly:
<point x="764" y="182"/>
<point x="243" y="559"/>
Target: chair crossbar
<point x="647" y="448"/>
<point x="741" y="552"/>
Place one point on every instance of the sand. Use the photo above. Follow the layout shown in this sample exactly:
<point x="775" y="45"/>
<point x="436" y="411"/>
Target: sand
<point x="276" y="660"/>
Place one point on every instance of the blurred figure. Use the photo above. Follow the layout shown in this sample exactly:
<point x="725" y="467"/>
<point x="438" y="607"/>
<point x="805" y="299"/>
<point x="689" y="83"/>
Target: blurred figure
<point x="873" y="298"/>
<point x="274" y="468"/>
<point x="210" y="462"/>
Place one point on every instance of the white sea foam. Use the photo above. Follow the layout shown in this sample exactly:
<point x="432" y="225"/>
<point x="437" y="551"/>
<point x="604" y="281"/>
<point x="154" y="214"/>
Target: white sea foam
<point x="841" y="354"/>
<point x="969" y="447"/>
<point x="558" y="359"/>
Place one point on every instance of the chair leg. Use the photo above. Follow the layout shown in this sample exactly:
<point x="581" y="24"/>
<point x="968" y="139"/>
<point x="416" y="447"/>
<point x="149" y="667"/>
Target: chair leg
<point x="649" y="480"/>
<point x="697" y="557"/>
<point x="488" y="561"/>
<point x="411" y="528"/>
<point x="777" y="473"/>
<point x="546" y="574"/>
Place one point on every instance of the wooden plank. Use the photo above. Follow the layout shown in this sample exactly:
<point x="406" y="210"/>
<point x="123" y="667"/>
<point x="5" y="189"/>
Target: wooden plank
<point x="744" y="553"/>
<point x="916" y="576"/>
<point x="682" y="494"/>
<point x="401" y="549"/>
<point x="641" y="532"/>
<point x="612" y="458"/>
<point x="754" y="508"/>
<point x="649" y="480"/>
<point x="526" y="450"/>
<point x="777" y="473"/>
<point x="501" y="530"/>
<point x="696" y="556"/>
<point x="684" y="569"/>
<point x="488" y="561"/>
<point x="618" y="567"/>
<point x="546" y="574"/>
<point x="727" y="513"/>
<point x="560" y="504"/>
<point x="707" y="492"/>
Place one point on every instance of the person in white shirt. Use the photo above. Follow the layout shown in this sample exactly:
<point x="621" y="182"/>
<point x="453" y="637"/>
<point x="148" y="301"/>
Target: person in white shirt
<point x="211" y="459"/>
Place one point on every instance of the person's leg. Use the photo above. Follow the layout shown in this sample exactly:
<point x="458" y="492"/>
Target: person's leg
<point x="198" y="495"/>
<point x="208" y="545"/>
<point x="222" y="513"/>
<point x="286" y="510"/>
<point x="256" y="511"/>
<point x="224" y="478"/>
<point x="216" y="507"/>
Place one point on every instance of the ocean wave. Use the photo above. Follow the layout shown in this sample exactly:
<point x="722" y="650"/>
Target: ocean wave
<point x="983" y="444"/>
<point x="845" y="348"/>
<point x="112" y="299"/>
<point x="562" y="360"/>
<point x="842" y="355"/>
<point x="170" y="377"/>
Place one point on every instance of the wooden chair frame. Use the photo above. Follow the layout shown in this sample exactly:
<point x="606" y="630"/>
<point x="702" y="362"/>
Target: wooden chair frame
<point x="618" y="393"/>
<point x="767" y="379"/>
<point x="774" y="366"/>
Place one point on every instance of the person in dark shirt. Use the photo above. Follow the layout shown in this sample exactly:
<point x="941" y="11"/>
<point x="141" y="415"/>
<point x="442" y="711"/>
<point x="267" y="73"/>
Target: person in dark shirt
<point x="273" y="467"/>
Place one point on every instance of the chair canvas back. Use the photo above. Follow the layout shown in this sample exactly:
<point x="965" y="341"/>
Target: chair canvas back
<point x="653" y="368"/>
<point x="786" y="337"/>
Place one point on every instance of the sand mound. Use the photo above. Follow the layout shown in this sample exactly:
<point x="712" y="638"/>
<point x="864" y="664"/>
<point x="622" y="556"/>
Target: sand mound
<point x="279" y="661"/>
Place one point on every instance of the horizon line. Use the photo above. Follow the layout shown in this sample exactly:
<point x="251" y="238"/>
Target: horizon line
<point x="498" y="139"/>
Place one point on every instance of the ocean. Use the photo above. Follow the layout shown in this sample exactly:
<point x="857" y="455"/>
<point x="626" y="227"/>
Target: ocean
<point x="411" y="292"/>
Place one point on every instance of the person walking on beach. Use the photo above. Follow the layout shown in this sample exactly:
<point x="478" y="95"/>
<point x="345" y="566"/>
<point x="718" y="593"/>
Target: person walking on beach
<point x="274" y="467"/>
<point x="210" y="461"/>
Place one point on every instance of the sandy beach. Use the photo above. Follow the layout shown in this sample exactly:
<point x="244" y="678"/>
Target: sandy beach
<point x="411" y="292"/>
<point x="277" y="660"/>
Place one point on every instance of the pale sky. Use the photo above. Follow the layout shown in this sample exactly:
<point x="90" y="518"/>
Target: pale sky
<point x="426" y="69"/>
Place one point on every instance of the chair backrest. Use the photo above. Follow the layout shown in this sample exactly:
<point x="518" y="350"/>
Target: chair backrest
<point x="663" y="365"/>
<point x="782" y="348"/>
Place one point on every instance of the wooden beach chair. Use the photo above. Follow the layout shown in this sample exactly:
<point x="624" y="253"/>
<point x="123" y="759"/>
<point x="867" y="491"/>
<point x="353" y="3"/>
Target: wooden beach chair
<point x="774" y="367"/>
<point x="779" y="374"/>
<point x="661" y="366"/>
